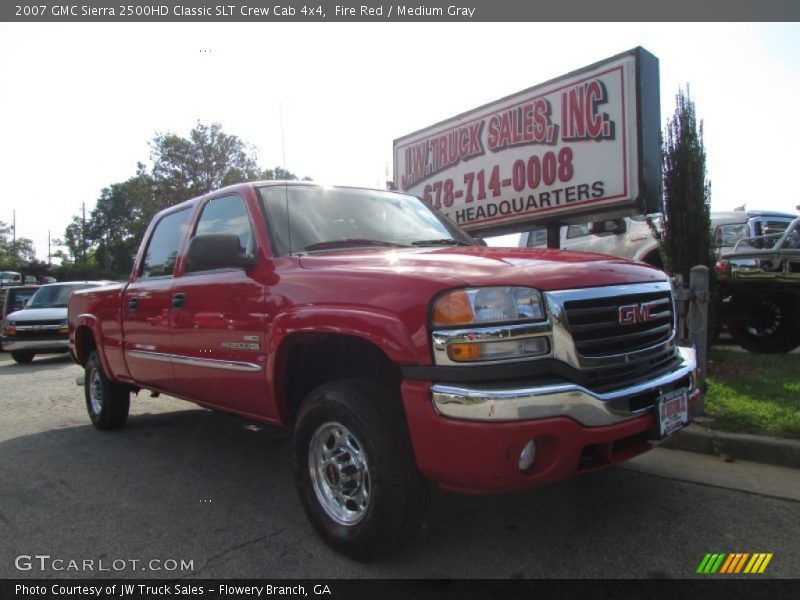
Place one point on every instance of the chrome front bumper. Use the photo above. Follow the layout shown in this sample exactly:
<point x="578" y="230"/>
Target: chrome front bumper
<point x="556" y="400"/>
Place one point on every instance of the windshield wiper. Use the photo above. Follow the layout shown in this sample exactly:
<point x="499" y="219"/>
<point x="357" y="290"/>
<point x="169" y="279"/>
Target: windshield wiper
<point x="352" y="242"/>
<point x="442" y="242"/>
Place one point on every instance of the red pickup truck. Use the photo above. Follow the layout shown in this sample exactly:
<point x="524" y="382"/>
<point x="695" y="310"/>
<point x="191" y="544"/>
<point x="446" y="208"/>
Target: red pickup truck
<point x="399" y="350"/>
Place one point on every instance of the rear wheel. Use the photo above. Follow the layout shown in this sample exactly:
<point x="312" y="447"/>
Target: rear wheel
<point x="769" y="328"/>
<point x="354" y="468"/>
<point x="106" y="401"/>
<point x="23" y="357"/>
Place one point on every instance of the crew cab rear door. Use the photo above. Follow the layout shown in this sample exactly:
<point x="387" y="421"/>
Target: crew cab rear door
<point x="147" y="304"/>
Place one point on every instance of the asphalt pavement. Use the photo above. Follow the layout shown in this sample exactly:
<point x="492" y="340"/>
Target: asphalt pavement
<point x="206" y="495"/>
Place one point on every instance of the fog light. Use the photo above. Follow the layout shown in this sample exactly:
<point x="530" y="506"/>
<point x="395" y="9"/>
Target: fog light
<point x="527" y="456"/>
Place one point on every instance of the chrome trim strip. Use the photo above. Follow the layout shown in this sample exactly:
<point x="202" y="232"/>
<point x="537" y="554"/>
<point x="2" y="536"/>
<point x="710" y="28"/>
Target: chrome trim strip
<point x="442" y="338"/>
<point x="145" y="355"/>
<point x="551" y="400"/>
<point x="209" y="363"/>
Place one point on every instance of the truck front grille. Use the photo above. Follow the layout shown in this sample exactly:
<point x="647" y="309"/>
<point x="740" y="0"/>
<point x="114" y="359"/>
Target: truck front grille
<point x="597" y="329"/>
<point x="40" y="323"/>
<point x="615" y="336"/>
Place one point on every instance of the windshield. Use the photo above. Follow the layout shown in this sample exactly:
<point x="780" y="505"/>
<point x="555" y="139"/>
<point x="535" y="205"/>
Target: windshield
<point x="309" y="218"/>
<point x="17" y="298"/>
<point x="55" y="296"/>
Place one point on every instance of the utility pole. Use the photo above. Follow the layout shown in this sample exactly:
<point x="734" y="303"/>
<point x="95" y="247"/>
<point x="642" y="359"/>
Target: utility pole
<point x="49" y="255"/>
<point x="83" y="232"/>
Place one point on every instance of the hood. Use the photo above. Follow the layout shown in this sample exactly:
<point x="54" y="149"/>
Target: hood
<point x="478" y="265"/>
<point x="27" y="315"/>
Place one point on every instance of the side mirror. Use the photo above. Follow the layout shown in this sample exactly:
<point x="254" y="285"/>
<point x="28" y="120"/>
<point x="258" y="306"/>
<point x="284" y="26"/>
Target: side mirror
<point x="217" y="251"/>
<point x="614" y="226"/>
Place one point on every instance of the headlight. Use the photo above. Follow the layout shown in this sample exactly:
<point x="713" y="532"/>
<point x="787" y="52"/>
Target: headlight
<point x="491" y="324"/>
<point x="488" y="305"/>
<point x="63" y="327"/>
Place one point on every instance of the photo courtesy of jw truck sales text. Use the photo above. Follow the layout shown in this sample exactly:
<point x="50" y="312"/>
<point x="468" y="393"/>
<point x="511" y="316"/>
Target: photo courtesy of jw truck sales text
<point x="582" y="144"/>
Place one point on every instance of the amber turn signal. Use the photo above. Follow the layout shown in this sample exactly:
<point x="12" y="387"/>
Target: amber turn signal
<point x="464" y="352"/>
<point x="454" y="308"/>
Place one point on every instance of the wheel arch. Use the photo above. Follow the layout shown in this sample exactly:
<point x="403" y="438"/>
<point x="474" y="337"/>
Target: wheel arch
<point x="306" y="360"/>
<point x="84" y="340"/>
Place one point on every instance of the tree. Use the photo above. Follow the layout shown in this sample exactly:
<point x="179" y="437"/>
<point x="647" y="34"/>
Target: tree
<point x="119" y="219"/>
<point x="14" y="254"/>
<point x="206" y="160"/>
<point x="686" y="239"/>
<point x="105" y="242"/>
<point x="76" y="240"/>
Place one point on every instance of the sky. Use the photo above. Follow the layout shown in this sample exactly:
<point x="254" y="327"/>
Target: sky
<point x="79" y="102"/>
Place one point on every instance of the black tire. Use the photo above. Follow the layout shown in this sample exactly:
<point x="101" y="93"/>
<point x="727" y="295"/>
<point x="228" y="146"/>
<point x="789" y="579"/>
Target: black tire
<point x="361" y="429"/>
<point x="106" y="401"/>
<point x="23" y="357"/>
<point x="770" y="329"/>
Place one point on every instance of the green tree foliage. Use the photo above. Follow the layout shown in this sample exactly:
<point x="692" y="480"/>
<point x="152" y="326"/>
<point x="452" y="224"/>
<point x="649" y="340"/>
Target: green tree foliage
<point x="686" y="238"/>
<point x="105" y="242"/>
<point x="76" y="241"/>
<point x="208" y="159"/>
<point x="119" y="219"/>
<point x="14" y="255"/>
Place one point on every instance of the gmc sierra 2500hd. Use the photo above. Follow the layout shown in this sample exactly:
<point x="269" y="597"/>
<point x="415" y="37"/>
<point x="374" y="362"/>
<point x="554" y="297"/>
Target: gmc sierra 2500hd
<point x="397" y="350"/>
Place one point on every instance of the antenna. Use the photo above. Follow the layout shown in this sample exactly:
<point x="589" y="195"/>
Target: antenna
<point x="283" y="142"/>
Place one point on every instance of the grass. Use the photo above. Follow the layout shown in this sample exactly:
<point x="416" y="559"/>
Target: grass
<point x="754" y="393"/>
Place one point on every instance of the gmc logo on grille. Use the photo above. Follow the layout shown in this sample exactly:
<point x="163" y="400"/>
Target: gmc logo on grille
<point x="631" y="314"/>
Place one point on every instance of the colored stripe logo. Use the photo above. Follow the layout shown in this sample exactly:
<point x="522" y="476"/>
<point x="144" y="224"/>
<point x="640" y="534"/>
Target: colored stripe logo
<point x="734" y="563"/>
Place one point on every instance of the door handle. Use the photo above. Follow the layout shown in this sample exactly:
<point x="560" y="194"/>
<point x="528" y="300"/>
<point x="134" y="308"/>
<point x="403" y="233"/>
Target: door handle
<point x="133" y="304"/>
<point x="179" y="301"/>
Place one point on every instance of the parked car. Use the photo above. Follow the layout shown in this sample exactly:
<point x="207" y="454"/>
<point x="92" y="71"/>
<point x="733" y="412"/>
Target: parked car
<point x="14" y="299"/>
<point x="630" y="237"/>
<point x="8" y="278"/>
<point x="759" y="278"/>
<point x="40" y="327"/>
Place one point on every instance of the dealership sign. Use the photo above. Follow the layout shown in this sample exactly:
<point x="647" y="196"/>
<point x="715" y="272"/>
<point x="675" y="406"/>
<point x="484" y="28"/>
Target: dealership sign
<point x="579" y="147"/>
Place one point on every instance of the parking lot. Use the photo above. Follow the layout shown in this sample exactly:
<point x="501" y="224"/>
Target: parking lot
<point x="184" y="492"/>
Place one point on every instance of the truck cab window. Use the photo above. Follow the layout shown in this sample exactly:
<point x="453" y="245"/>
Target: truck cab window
<point x="162" y="250"/>
<point x="226" y="215"/>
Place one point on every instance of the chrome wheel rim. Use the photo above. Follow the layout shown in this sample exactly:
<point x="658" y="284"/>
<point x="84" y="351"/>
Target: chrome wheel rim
<point x="96" y="392"/>
<point x="339" y="473"/>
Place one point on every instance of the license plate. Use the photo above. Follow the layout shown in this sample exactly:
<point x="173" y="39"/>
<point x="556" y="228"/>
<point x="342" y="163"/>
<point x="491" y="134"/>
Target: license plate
<point x="672" y="412"/>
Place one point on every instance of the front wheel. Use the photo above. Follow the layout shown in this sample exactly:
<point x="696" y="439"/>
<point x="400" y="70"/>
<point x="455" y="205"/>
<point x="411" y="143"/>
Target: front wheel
<point x="107" y="402"/>
<point x="354" y="469"/>
<point x="22" y="358"/>
<point x="769" y="328"/>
